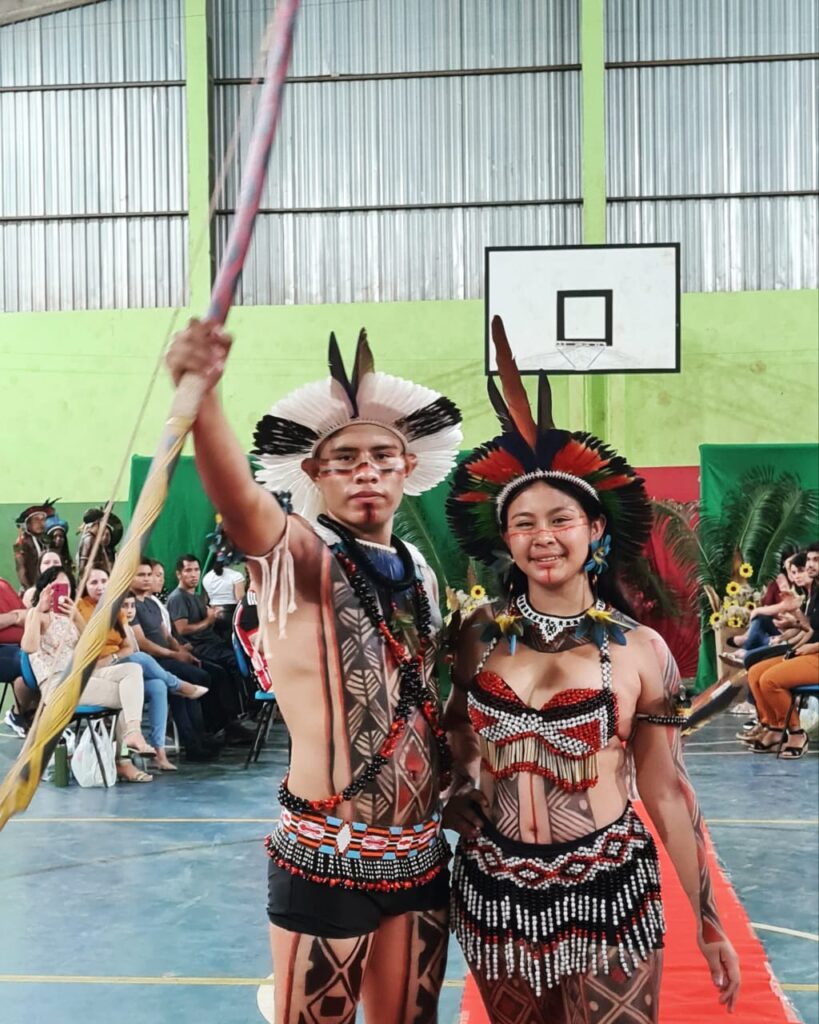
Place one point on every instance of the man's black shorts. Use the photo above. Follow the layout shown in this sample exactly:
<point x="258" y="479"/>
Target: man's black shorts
<point x="331" y="912"/>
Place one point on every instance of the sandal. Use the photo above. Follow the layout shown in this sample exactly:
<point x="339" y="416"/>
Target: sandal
<point x="759" y="747"/>
<point x="139" y="777"/>
<point x="791" y="753"/>
<point x="752" y="735"/>
<point x="142" y="748"/>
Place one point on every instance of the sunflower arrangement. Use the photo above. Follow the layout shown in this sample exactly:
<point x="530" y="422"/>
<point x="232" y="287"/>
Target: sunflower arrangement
<point x="738" y="602"/>
<point x="465" y="602"/>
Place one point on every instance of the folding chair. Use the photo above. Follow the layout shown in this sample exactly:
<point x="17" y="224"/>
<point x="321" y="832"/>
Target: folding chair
<point x="83" y="714"/>
<point x="799" y="700"/>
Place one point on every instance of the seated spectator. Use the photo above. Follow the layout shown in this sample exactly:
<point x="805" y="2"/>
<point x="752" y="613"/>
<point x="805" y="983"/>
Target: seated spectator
<point x="246" y="629"/>
<point x="30" y="542"/>
<point x="224" y="587"/>
<point x="12" y="621"/>
<point x="111" y="536"/>
<point x="51" y="633"/>
<point x="48" y="559"/>
<point x="155" y="639"/>
<point x="56" y="537"/>
<point x="193" y="621"/>
<point x="772" y="680"/>
<point x="158" y="590"/>
<point x="784" y="595"/>
<point x="122" y="648"/>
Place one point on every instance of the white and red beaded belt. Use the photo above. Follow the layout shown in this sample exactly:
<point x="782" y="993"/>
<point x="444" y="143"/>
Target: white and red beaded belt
<point x="324" y="848"/>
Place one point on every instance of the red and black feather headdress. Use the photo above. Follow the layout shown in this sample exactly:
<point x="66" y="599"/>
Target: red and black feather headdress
<point x="532" y="449"/>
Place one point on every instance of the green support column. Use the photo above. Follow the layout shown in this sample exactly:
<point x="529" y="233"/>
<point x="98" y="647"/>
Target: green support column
<point x="198" y="146"/>
<point x="593" y="391"/>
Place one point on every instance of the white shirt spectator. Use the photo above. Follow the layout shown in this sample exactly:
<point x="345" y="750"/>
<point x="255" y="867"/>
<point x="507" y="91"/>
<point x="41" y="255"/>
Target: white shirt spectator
<point x="220" y="589"/>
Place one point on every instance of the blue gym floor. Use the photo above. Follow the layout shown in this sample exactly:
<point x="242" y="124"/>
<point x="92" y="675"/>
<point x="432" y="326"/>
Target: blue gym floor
<point x="147" y="902"/>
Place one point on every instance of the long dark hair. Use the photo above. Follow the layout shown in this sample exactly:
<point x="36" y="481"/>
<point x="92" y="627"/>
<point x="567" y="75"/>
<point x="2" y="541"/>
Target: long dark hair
<point x="49" y="576"/>
<point x="607" y="585"/>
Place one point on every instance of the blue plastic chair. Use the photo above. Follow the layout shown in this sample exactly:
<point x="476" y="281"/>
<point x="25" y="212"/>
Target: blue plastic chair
<point x="83" y="713"/>
<point x="799" y="699"/>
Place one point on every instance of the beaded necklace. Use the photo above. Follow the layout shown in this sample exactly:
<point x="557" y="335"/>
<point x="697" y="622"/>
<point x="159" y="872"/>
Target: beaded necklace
<point x="550" y="627"/>
<point x="412" y="689"/>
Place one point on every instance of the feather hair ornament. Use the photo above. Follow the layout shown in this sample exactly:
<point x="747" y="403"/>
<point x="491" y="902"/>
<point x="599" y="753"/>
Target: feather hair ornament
<point x="528" y="450"/>
<point x="427" y="424"/>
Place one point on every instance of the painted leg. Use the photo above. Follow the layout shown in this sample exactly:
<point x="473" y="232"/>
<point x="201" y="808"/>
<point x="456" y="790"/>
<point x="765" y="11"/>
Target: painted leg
<point x="406" y="969"/>
<point x="613" y="998"/>
<point x="317" y="980"/>
<point x="616" y="996"/>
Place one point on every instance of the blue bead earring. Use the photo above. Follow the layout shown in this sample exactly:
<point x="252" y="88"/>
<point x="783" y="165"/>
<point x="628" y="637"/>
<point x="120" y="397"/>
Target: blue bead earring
<point x="597" y="563"/>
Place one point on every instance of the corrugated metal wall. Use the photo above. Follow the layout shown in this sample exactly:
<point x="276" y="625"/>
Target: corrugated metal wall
<point x="740" y="139"/>
<point x="389" y="186"/>
<point x="93" y="180"/>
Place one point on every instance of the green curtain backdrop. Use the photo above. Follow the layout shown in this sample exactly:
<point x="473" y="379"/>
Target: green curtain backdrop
<point x="186" y="520"/>
<point x="721" y="466"/>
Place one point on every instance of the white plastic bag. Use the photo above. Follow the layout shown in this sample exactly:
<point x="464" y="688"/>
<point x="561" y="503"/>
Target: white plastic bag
<point x="809" y="718"/>
<point x="85" y="765"/>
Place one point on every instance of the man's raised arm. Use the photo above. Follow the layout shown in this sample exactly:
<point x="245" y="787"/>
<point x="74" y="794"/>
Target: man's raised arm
<point x="251" y="515"/>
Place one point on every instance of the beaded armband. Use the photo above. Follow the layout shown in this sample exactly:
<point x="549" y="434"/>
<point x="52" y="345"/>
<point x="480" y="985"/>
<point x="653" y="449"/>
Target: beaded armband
<point x="677" y="721"/>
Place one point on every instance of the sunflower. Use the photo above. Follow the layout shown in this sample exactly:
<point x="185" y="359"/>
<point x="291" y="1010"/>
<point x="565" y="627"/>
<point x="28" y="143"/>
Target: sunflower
<point x="735" y="622"/>
<point x="746" y="570"/>
<point x="732" y="588"/>
<point x="750" y="605"/>
<point x="715" y="619"/>
<point x="477" y="593"/>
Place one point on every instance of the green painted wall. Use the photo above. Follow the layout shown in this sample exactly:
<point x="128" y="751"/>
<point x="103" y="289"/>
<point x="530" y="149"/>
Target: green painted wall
<point x="73" y="383"/>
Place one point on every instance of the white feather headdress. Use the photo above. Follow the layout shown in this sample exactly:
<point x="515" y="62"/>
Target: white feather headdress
<point x="427" y="423"/>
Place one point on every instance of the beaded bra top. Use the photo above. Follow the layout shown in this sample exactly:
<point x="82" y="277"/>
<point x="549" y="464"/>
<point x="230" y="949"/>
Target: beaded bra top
<point x="559" y="741"/>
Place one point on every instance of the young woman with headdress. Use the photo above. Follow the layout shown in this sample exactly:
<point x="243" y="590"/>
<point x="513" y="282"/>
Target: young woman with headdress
<point x="556" y="890"/>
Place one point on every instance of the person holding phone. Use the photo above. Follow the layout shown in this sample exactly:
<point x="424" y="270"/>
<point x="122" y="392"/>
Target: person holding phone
<point x="52" y="628"/>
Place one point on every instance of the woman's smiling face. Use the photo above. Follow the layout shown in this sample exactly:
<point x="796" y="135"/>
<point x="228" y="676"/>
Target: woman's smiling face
<point x="548" y="534"/>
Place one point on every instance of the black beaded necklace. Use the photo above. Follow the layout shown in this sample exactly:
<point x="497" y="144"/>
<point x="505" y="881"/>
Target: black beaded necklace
<point x="413" y="691"/>
<point x="358" y="553"/>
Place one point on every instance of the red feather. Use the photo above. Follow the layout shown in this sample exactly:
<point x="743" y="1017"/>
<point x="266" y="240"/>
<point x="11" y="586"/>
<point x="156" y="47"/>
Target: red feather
<point x="474" y="496"/>
<point x="498" y="467"/>
<point x="578" y="459"/>
<point x="513" y="390"/>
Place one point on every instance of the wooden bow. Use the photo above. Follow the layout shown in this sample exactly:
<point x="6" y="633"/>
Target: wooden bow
<point x="54" y="715"/>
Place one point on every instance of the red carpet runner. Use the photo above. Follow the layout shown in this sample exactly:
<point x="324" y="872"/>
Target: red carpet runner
<point x="687" y="995"/>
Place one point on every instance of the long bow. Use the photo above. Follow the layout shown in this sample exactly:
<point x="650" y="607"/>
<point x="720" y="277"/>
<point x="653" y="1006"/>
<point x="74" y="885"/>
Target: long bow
<point x="53" y="716"/>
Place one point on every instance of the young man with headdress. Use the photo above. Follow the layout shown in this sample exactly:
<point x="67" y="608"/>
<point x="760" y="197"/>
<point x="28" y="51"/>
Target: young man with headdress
<point x="555" y="886"/>
<point x="107" y="550"/>
<point x="357" y="874"/>
<point x="30" y="543"/>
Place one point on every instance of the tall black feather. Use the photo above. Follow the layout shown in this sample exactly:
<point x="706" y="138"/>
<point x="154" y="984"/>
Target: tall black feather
<point x="339" y="374"/>
<point x="545" y="421"/>
<point x="498" y="404"/>
<point x="364" y="362"/>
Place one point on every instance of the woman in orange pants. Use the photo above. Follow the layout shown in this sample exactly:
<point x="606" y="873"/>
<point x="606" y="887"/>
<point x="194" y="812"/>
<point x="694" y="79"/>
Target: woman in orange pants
<point x="771" y="682"/>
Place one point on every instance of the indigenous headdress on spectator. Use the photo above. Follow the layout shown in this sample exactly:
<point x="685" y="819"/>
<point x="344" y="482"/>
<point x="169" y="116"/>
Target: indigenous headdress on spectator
<point x="528" y="450"/>
<point x="55" y="522"/>
<point x="94" y="515"/>
<point x="426" y="423"/>
<point x="46" y="508"/>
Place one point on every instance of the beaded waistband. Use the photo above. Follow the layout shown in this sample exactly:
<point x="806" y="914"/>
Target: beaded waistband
<point x="357" y="855"/>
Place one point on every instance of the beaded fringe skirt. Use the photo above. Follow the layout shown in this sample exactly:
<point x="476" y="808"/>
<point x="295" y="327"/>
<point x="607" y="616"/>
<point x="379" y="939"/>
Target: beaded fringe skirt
<point x="546" y="912"/>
